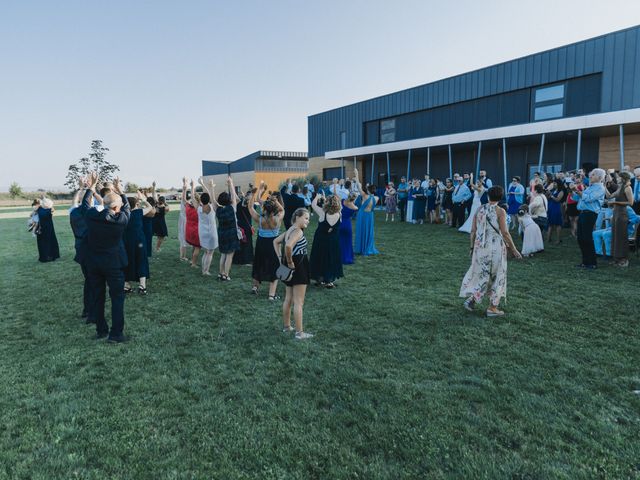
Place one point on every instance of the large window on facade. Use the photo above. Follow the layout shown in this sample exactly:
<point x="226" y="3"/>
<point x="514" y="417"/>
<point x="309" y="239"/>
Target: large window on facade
<point x="388" y="130"/>
<point x="343" y="140"/>
<point x="331" y="173"/>
<point x="548" y="102"/>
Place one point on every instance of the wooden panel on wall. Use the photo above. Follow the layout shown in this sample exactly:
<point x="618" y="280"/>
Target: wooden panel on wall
<point x="609" y="156"/>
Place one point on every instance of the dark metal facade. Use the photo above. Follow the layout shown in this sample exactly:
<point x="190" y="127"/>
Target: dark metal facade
<point x="610" y="63"/>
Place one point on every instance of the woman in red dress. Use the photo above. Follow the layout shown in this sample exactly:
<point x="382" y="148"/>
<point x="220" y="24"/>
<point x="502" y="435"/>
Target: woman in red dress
<point x="191" y="230"/>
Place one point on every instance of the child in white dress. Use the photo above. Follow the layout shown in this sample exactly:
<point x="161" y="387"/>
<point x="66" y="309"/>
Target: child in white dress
<point x="532" y="236"/>
<point x="34" y="218"/>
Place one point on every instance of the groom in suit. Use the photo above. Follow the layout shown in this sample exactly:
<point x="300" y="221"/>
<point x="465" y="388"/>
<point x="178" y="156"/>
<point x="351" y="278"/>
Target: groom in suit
<point x="106" y="257"/>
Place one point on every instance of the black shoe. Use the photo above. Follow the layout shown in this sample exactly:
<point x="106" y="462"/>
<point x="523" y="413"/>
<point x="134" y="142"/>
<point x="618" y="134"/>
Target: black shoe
<point x="84" y="315"/>
<point x="118" y="339"/>
<point x="100" y="336"/>
<point x="89" y="321"/>
<point x="590" y="267"/>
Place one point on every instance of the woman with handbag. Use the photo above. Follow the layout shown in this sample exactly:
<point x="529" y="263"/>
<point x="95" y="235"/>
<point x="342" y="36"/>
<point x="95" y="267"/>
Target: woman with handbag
<point x="490" y="239"/>
<point x="294" y="271"/>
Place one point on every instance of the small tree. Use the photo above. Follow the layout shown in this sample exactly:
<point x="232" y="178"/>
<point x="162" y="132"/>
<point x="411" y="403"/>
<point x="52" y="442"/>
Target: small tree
<point x="15" y="190"/>
<point x="131" y="187"/>
<point x="94" y="162"/>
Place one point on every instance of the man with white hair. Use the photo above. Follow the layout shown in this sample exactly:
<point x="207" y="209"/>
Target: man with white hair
<point x="635" y="186"/>
<point x="106" y="257"/>
<point x="591" y="200"/>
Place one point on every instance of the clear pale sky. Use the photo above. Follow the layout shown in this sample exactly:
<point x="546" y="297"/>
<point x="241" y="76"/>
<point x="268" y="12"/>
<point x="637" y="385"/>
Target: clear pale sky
<point x="166" y="84"/>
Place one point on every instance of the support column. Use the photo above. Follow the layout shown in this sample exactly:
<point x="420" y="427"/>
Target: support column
<point x="388" y="169"/>
<point x="504" y="161"/>
<point x="373" y="162"/>
<point x="450" y="164"/>
<point x="578" y="149"/>
<point x="342" y="167"/>
<point x="429" y="161"/>
<point x="541" y="153"/>
<point x="478" y="159"/>
<point x="408" y="166"/>
<point x="621" y="147"/>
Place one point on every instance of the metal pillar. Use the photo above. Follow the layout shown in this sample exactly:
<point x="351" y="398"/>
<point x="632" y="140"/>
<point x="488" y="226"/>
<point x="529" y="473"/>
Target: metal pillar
<point x="478" y="159"/>
<point x="373" y="160"/>
<point x="504" y="161"/>
<point x="408" y="165"/>
<point x="578" y="149"/>
<point x="450" y="164"/>
<point x="541" y="153"/>
<point x="388" y="169"/>
<point x="342" y="167"/>
<point x="621" y="148"/>
<point x="429" y="161"/>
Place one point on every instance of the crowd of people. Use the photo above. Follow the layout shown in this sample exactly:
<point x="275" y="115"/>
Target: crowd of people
<point x="114" y="233"/>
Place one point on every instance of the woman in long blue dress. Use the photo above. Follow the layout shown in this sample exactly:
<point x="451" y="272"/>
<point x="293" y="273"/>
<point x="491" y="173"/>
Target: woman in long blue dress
<point x="554" y="211"/>
<point x="48" y="249"/>
<point x="346" y="231"/>
<point x="515" y="198"/>
<point x="365" y="244"/>
<point x="432" y="197"/>
<point x="135" y="244"/>
<point x="419" y="203"/>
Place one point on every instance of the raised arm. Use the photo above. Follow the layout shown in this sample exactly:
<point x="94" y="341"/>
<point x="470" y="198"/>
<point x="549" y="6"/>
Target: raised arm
<point x="257" y="193"/>
<point x="153" y="191"/>
<point x="194" y="201"/>
<point x="232" y="193"/>
<point x="183" y="197"/>
<point x="314" y="205"/>
<point x="146" y="206"/>
<point x="211" y="190"/>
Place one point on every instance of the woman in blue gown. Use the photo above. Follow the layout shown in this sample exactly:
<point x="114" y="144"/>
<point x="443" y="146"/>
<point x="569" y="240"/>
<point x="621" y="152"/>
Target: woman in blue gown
<point x="48" y="249"/>
<point x="346" y="232"/>
<point x="136" y="245"/>
<point x="365" y="244"/>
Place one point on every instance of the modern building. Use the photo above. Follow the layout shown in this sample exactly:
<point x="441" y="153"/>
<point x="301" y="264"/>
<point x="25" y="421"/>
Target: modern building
<point x="271" y="166"/>
<point x="571" y="107"/>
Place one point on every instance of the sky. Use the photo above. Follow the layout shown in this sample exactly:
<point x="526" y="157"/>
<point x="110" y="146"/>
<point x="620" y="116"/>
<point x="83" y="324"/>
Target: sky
<point x="167" y="84"/>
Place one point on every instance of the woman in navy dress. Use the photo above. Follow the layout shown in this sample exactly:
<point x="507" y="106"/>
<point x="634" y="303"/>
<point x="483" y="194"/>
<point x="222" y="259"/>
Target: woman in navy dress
<point x="48" y="249"/>
<point x="432" y="197"/>
<point x="365" y="243"/>
<point x="326" y="260"/>
<point x="419" y="202"/>
<point x="134" y="239"/>
<point x="228" y="242"/>
<point x="554" y="211"/>
<point x="346" y="231"/>
<point x="159" y="223"/>
<point x="244" y="256"/>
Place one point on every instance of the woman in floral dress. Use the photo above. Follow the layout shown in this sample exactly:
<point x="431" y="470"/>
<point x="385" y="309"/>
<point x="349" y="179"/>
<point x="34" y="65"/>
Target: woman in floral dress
<point x="490" y="238"/>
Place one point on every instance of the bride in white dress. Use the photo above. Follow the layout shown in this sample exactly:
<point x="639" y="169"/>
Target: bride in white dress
<point x="478" y="189"/>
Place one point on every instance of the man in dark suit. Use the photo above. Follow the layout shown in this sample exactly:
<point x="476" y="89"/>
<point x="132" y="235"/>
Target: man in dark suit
<point x="106" y="257"/>
<point x="292" y="201"/>
<point x="635" y="188"/>
<point x="79" y="228"/>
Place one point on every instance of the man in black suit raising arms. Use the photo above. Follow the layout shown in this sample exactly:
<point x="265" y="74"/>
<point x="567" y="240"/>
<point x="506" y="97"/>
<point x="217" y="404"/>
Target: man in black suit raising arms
<point x="106" y="257"/>
<point x="292" y="201"/>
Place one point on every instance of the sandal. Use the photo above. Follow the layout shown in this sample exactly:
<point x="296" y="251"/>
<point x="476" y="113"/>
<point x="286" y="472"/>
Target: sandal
<point x="224" y="278"/>
<point x="329" y="285"/>
<point x="273" y="298"/>
<point x="142" y="290"/>
<point x="288" y="329"/>
<point x="254" y="290"/>
<point x="469" y="304"/>
<point x="128" y="289"/>
<point x="495" y="313"/>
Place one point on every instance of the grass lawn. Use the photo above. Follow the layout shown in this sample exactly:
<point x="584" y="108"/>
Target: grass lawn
<point x="399" y="382"/>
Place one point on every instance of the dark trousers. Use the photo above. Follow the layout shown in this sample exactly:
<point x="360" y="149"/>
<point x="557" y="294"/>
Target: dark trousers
<point x="402" y="206"/>
<point x="86" y="294"/>
<point x="99" y="277"/>
<point x="586" y="222"/>
<point x="458" y="215"/>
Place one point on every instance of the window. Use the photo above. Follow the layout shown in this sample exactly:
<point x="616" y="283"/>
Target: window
<point x="546" y="167"/>
<point x="331" y="173"/>
<point x="388" y="130"/>
<point x="548" y="102"/>
<point x="549" y="111"/>
<point x="343" y="140"/>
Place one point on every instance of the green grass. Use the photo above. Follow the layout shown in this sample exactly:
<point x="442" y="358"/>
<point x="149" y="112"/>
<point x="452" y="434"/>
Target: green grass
<point x="400" y="381"/>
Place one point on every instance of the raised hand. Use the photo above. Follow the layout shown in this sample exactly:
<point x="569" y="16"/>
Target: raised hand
<point x="153" y="184"/>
